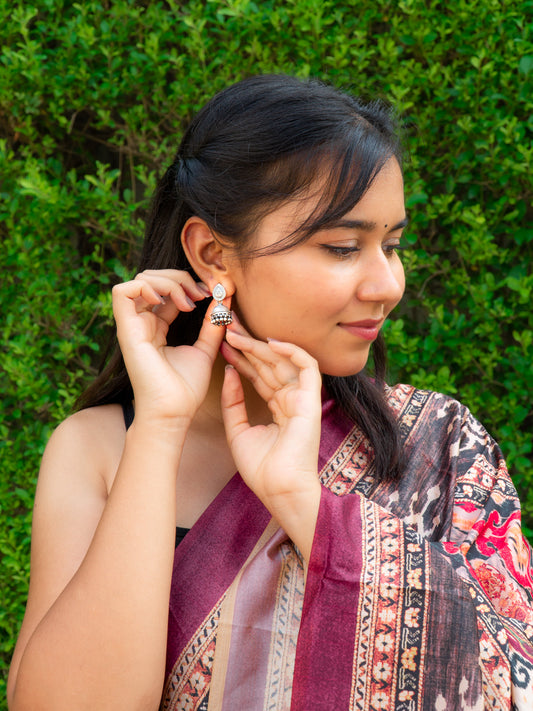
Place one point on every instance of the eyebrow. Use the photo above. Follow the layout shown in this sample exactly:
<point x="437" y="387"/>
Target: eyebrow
<point x="366" y="225"/>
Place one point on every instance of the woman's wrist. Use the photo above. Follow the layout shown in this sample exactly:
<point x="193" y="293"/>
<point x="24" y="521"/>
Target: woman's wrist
<point x="297" y="514"/>
<point x="160" y="431"/>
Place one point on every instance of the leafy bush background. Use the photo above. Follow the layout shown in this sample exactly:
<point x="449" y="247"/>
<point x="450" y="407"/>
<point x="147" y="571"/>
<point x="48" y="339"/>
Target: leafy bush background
<point x="93" y="98"/>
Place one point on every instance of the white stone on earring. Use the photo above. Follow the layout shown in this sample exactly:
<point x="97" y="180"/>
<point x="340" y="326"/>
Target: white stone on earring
<point x="219" y="293"/>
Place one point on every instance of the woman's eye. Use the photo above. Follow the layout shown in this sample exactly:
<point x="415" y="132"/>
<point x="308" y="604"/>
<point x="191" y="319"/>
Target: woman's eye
<point x="345" y="251"/>
<point x="392" y="248"/>
<point x="340" y="251"/>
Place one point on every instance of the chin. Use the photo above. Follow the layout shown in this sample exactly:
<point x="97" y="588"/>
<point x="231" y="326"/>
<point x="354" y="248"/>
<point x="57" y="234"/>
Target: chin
<point x="339" y="370"/>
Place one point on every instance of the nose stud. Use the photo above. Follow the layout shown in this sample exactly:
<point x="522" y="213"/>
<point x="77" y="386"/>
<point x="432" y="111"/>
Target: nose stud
<point x="221" y="315"/>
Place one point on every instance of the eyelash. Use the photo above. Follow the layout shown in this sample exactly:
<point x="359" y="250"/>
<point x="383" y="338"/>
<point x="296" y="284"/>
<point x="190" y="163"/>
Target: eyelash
<point x="344" y="252"/>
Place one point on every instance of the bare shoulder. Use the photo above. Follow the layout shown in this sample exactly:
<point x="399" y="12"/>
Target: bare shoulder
<point x="89" y="444"/>
<point x="77" y="472"/>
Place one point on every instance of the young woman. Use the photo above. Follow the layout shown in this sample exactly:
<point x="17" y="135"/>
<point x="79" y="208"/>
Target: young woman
<point x="368" y="553"/>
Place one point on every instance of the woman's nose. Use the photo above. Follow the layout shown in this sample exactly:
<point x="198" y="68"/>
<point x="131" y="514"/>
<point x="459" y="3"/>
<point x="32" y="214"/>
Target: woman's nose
<point x="381" y="279"/>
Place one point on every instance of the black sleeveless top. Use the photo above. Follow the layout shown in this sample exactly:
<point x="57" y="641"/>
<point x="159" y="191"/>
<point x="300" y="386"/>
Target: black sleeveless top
<point x="129" y="414"/>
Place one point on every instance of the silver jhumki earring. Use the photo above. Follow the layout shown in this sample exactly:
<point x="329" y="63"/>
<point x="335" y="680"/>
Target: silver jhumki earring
<point x="221" y="315"/>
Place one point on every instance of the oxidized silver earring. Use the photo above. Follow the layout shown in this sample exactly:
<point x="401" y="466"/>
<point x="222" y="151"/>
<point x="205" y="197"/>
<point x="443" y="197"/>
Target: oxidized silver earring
<point x="221" y="315"/>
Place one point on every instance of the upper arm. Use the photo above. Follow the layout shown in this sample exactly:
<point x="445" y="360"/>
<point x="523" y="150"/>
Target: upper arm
<point x="76" y="474"/>
<point x="486" y="524"/>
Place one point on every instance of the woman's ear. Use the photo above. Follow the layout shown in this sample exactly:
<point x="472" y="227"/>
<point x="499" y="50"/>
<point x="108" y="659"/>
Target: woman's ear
<point x="206" y="255"/>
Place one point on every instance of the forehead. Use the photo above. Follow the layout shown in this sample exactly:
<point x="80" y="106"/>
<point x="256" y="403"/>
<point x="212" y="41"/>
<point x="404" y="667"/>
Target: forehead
<point x="382" y="202"/>
<point x="385" y="196"/>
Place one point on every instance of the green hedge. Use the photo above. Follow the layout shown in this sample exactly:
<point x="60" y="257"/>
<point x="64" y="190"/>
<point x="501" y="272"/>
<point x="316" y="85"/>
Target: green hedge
<point x="93" y="99"/>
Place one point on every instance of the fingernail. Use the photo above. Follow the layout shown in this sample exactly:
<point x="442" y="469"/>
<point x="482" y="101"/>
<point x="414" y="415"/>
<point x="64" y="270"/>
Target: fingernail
<point x="228" y="366"/>
<point x="203" y="288"/>
<point x="230" y="328"/>
<point x="272" y="340"/>
<point x="190" y="302"/>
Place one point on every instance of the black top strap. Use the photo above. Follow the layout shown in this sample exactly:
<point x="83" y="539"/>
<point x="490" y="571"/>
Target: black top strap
<point x="129" y="413"/>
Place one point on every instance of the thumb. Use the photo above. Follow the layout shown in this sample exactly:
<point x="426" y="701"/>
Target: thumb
<point x="234" y="412"/>
<point x="210" y="336"/>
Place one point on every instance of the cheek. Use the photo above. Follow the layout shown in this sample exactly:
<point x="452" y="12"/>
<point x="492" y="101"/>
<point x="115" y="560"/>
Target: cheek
<point x="259" y="293"/>
<point x="259" y="307"/>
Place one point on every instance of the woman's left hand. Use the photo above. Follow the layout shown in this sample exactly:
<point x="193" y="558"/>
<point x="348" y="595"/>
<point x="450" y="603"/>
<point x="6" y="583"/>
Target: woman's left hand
<point x="278" y="461"/>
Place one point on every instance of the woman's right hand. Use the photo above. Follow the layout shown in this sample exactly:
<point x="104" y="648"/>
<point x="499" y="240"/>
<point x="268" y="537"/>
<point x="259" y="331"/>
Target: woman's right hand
<point x="169" y="383"/>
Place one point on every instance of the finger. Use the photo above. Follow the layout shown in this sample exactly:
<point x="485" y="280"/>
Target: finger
<point x="237" y="360"/>
<point x="167" y="310"/>
<point x="276" y="371"/>
<point x="131" y="297"/>
<point x="257" y="366"/>
<point x="210" y="336"/>
<point x="309" y="373"/>
<point x="144" y="296"/>
<point x="181" y="277"/>
<point x="234" y="413"/>
<point x="246" y="369"/>
<point x="181" y="295"/>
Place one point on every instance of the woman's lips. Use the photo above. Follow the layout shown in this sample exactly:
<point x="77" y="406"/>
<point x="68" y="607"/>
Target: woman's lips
<point x="367" y="330"/>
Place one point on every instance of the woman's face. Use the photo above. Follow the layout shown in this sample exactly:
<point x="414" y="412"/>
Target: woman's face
<point x="330" y="294"/>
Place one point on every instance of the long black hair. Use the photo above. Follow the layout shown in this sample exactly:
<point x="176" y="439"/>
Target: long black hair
<point x="254" y="146"/>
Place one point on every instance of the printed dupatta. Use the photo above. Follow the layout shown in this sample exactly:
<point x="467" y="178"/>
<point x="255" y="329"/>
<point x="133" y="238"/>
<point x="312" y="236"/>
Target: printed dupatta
<point x="418" y="597"/>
